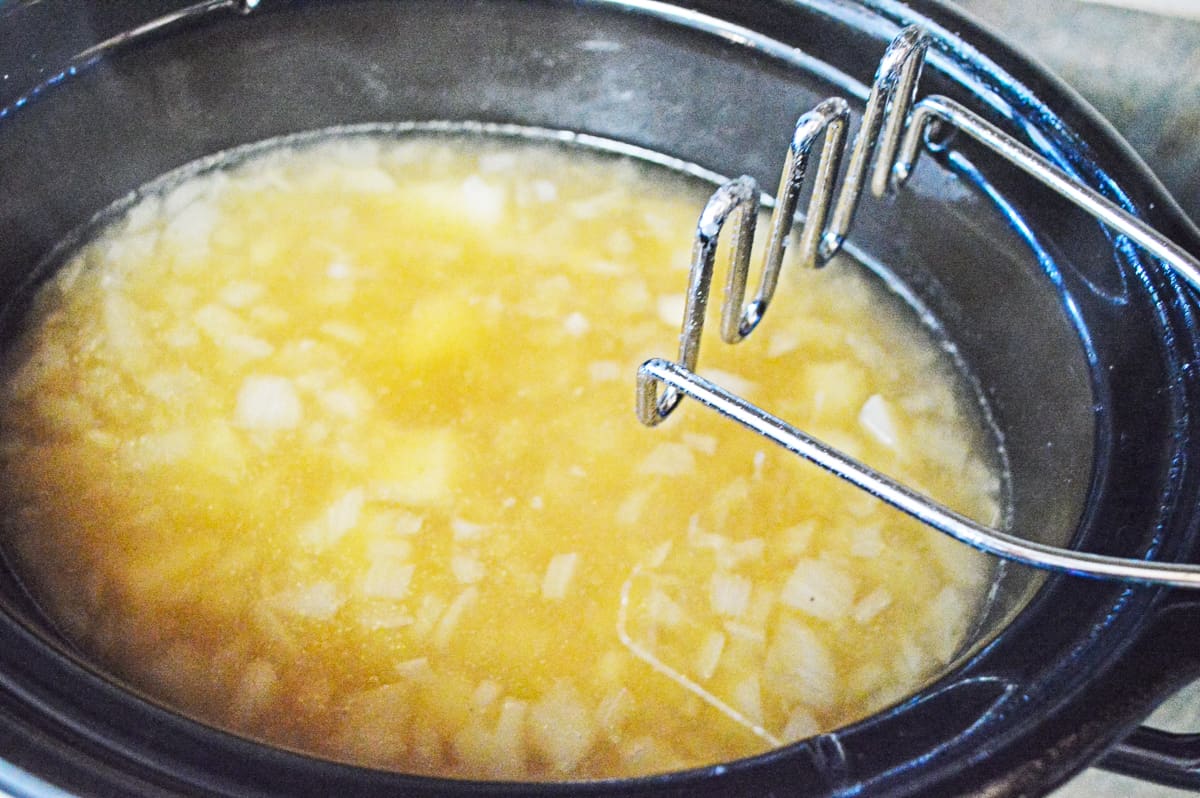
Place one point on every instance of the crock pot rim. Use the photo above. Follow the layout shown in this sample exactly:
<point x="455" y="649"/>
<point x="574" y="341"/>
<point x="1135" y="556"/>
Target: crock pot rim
<point x="1163" y="206"/>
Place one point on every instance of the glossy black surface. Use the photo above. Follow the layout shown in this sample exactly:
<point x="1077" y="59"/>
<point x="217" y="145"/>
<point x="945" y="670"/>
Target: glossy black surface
<point x="1084" y="350"/>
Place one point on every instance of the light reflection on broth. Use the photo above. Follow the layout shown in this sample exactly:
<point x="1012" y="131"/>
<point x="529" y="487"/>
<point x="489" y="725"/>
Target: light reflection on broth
<point x="335" y="448"/>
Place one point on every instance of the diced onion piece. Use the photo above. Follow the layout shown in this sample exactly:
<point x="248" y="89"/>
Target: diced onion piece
<point x="254" y="691"/>
<point x="819" y="589"/>
<point x="945" y="621"/>
<point x="510" y="731"/>
<point x="403" y="523"/>
<point x="339" y="518"/>
<point x="417" y="669"/>
<point x="800" y="725"/>
<point x="799" y="667"/>
<point x="417" y="468"/>
<point x="453" y="614"/>
<point x="668" y="460"/>
<point x="670" y="309"/>
<point x="747" y="698"/>
<point x="783" y="342"/>
<point x="729" y="594"/>
<point x="377" y="616"/>
<point x="482" y="202"/>
<point x="613" y="710"/>
<point x="558" y="576"/>
<point x="708" y="655"/>
<point x="866" y="542"/>
<point x="700" y="539"/>
<point x="161" y="448"/>
<point x="174" y="385"/>
<point x="876" y="418"/>
<point x="664" y="610"/>
<point x="428" y="614"/>
<point x="318" y="601"/>
<point x="739" y="552"/>
<point x="367" y="180"/>
<point x="544" y="190"/>
<point x="561" y="727"/>
<point x="498" y="752"/>
<point x="266" y="403"/>
<point x="466" y="530"/>
<point x="191" y="229"/>
<point x="705" y="444"/>
<point x="745" y="632"/>
<point x="373" y="724"/>
<point x="872" y="604"/>
<point x="341" y="403"/>
<point x="576" y="324"/>
<point x="122" y="331"/>
<point x="388" y="578"/>
<point x="467" y="568"/>
<point x="485" y="695"/>
<point x="658" y="555"/>
<point x="346" y="333"/>
<point x="629" y="512"/>
<point x="240" y="293"/>
<point x="604" y="370"/>
<point x="910" y="662"/>
<point x="835" y="388"/>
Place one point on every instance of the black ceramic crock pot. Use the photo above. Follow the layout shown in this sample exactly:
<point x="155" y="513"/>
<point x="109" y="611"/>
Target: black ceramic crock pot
<point x="1084" y="348"/>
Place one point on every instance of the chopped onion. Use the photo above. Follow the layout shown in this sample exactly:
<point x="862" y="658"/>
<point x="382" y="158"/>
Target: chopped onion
<point x="561" y="727"/>
<point x="729" y="594"/>
<point x="799" y="667"/>
<point x="669" y="460"/>
<point x="876" y="418"/>
<point x="267" y="403"/>
<point x="318" y="601"/>
<point x="558" y="576"/>
<point x="467" y="568"/>
<point x="866" y="542"/>
<point x="240" y="293"/>
<point x="705" y="444"/>
<point x="872" y="604"/>
<point x="708" y="656"/>
<point x="466" y="530"/>
<point x="604" y="370"/>
<point x="747" y="698"/>
<point x="819" y="589"/>
<point x="800" y="725"/>
<point x="254" y="691"/>
<point x="671" y="308"/>
<point x="576" y="324"/>
<point x="388" y="578"/>
<point x="449" y="620"/>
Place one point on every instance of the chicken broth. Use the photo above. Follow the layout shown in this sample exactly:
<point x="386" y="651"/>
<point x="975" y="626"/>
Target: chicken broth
<point x="334" y="446"/>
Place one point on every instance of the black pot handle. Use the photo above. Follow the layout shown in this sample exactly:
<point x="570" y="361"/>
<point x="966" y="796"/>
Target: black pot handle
<point x="1168" y="758"/>
<point x="1159" y="756"/>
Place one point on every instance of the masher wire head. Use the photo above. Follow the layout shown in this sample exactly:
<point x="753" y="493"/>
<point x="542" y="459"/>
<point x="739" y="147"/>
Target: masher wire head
<point x="894" y="128"/>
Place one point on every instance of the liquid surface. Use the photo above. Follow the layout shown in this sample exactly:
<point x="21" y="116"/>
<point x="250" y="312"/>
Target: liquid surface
<point x="336" y="448"/>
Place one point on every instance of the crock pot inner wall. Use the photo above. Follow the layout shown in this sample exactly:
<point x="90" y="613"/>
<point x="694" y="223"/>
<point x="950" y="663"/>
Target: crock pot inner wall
<point x="156" y="104"/>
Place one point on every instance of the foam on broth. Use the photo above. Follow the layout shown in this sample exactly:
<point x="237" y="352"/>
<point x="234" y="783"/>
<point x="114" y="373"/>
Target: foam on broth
<point x="335" y="448"/>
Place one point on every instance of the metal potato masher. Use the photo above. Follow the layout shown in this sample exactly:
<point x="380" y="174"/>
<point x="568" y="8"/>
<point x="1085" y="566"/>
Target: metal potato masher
<point x="894" y="129"/>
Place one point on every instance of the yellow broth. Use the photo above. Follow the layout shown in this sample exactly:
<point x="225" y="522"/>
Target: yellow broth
<point x="335" y="448"/>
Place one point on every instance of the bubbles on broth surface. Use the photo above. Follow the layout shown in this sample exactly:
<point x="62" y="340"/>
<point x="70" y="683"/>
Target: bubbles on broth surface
<point x="334" y="446"/>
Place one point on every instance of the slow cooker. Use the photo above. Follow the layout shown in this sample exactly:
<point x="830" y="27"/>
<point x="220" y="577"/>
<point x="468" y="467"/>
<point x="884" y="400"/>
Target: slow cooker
<point x="1084" y="347"/>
